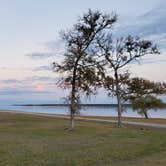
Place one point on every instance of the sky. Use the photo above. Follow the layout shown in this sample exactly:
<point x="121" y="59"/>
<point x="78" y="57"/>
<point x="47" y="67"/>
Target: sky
<point x="31" y="27"/>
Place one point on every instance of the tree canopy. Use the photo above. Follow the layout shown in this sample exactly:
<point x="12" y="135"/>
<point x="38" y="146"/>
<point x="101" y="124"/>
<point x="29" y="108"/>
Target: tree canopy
<point x="142" y="94"/>
<point x="143" y="104"/>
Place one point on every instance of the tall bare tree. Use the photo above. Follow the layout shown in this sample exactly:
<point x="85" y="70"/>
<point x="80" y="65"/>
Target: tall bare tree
<point x="81" y="66"/>
<point x="118" y="55"/>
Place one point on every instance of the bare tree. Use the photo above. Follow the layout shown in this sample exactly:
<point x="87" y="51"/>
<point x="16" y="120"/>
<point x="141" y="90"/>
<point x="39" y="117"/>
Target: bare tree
<point x="118" y="55"/>
<point x="81" y="66"/>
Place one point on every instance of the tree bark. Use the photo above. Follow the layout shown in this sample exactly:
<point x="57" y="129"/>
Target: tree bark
<point x="118" y="99"/>
<point x="73" y="96"/>
<point x="71" y="128"/>
<point x="146" y="115"/>
<point x="72" y="112"/>
<point x="72" y="107"/>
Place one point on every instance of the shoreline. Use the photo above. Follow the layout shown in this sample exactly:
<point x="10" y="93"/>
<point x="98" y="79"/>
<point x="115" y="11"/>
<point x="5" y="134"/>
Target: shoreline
<point x="98" y="111"/>
<point x="82" y="105"/>
<point x="153" y="122"/>
<point x="66" y="115"/>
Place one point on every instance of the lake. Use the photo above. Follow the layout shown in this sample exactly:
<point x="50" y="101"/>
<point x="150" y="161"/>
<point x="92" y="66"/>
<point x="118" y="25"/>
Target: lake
<point x="85" y="110"/>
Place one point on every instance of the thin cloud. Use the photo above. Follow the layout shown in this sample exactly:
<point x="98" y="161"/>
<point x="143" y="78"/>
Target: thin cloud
<point x="11" y="81"/>
<point x="18" y="91"/>
<point x="54" y="49"/>
<point x="41" y="55"/>
<point x="35" y="83"/>
<point x="150" y="25"/>
<point x="43" y="68"/>
<point x="57" y="46"/>
<point x="3" y="68"/>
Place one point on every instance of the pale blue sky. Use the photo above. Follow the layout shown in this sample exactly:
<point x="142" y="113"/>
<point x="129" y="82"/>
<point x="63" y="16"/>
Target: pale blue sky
<point x="27" y="25"/>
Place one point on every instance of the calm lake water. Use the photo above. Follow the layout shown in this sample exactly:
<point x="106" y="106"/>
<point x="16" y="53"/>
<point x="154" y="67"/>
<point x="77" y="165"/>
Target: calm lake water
<point x="85" y="110"/>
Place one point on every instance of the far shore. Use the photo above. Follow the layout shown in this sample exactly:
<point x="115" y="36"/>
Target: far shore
<point x="66" y="105"/>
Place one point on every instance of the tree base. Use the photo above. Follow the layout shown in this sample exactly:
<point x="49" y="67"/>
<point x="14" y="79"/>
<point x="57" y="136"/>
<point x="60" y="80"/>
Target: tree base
<point x="121" y="126"/>
<point x="69" y="129"/>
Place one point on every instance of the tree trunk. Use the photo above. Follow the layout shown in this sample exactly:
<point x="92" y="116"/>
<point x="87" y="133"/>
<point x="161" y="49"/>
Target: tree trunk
<point x="71" y="128"/>
<point x="146" y="115"/>
<point x="72" y="112"/>
<point x="118" y="99"/>
<point x="73" y="95"/>
<point x="119" y="112"/>
<point x="72" y="109"/>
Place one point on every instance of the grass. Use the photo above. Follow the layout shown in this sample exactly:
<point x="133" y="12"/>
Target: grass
<point x="28" y="140"/>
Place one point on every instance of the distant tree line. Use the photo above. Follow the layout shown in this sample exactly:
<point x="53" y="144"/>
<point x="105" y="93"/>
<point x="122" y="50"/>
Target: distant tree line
<point x="93" y="59"/>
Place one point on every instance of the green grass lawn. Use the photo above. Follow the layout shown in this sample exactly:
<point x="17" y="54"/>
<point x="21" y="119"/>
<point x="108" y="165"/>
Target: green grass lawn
<point x="27" y="140"/>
